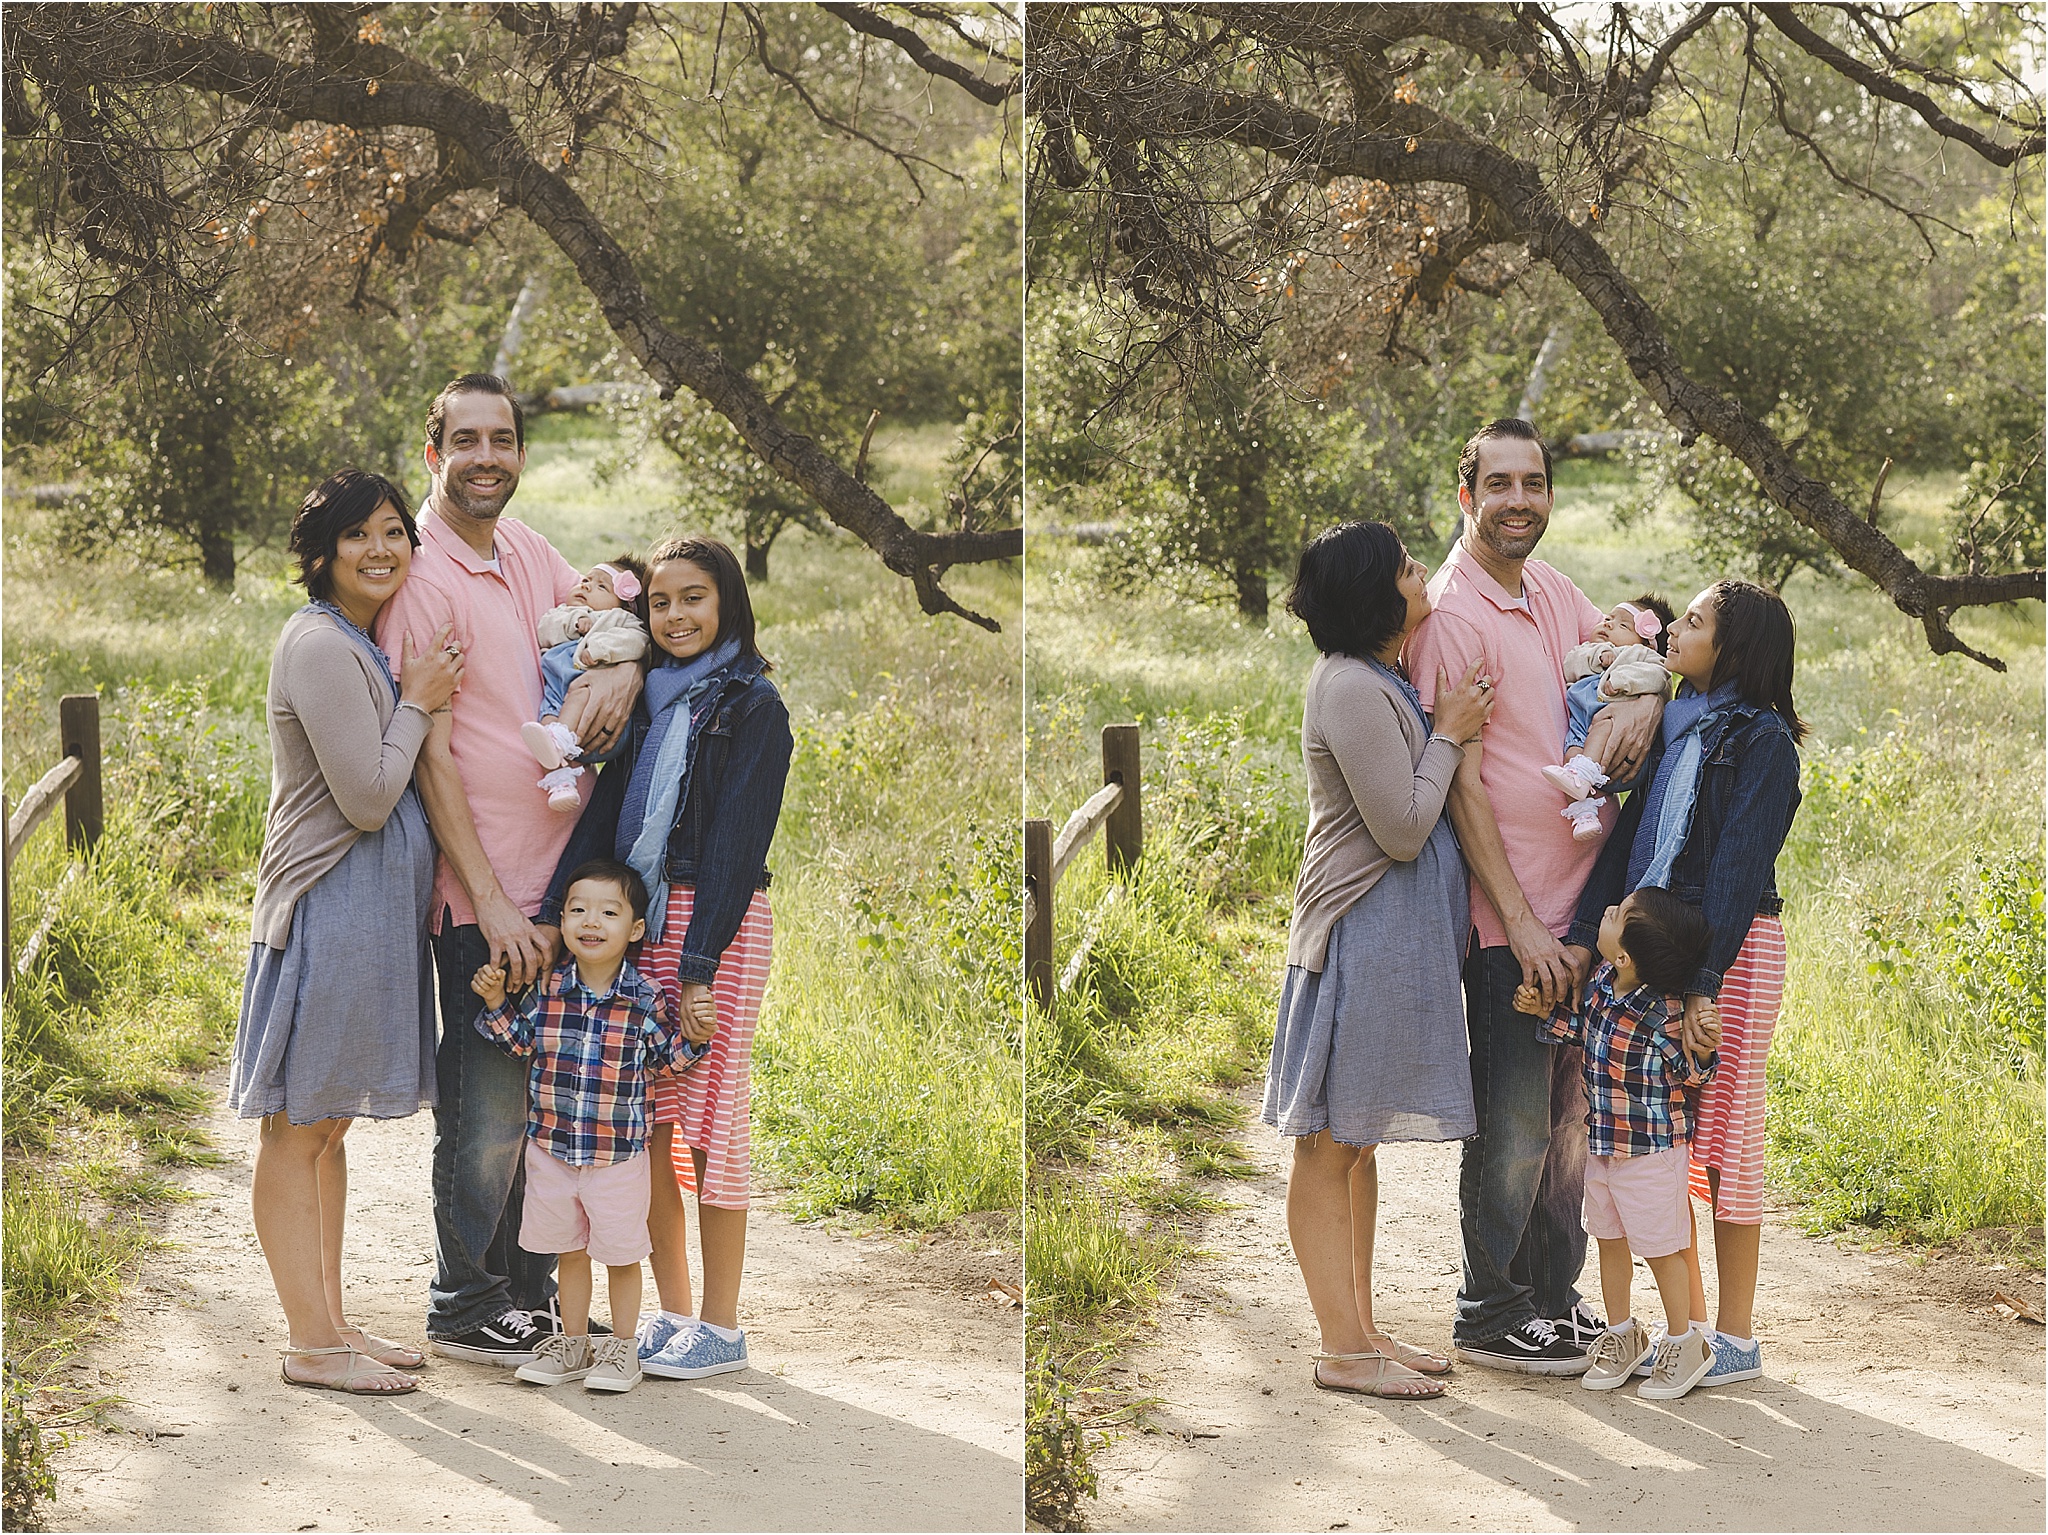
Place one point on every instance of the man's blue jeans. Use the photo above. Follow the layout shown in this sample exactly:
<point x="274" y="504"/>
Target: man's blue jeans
<point x="1523" y="1177"/>
<point x="480" y="1270"/>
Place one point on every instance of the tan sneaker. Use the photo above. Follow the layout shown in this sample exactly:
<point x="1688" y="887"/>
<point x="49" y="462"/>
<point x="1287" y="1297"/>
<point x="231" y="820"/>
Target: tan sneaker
<point x="1679" y="1364"/>
<point x="1616" y="1353"/>
<point x="558" y="1358"/>
<point x="617" y="1367"/>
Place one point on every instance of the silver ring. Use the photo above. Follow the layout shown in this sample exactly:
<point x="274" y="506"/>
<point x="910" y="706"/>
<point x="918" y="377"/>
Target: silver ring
<point x="452" y="650"/>
<point x="1485" y="686"/>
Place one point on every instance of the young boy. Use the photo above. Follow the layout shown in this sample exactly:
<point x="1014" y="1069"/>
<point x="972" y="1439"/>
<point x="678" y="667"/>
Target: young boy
<point x="1639" y="1090"/>
<point x="596" y="1030"/>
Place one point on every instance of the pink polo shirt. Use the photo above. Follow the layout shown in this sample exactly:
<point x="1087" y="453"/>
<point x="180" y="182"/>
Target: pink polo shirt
<point x="495" y="614"/>
<point x="1524" y="652"/>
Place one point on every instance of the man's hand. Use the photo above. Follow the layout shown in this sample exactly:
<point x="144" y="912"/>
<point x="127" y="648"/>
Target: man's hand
<point x="599" y="703"/>
<point x="514" y="942"/>
<point x="1700" y="1032"/>
<point x="1634" y="727"/>
<point x="551" y="935"/>
<point x="489" y="983"/>
<point x="1543" y="961"/>
<point x="1580" y="958"/>
<point x="698" y="1005"/>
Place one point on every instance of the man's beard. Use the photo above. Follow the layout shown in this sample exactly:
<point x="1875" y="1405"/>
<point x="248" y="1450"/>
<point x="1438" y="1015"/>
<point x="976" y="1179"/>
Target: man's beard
<point x="482" y="508"/>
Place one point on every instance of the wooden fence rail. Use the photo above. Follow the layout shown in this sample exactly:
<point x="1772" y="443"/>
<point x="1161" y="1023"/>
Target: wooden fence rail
<point x="77" y="778"/>
<point x="1117" y="812"/>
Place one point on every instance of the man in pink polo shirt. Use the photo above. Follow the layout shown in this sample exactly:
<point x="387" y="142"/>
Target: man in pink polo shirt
<point x="490" y="577"/>
<point x="1523" y="1175"/>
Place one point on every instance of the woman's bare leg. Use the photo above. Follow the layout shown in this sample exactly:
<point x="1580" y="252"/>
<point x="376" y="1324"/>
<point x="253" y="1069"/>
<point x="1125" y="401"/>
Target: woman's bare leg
<point x="1323" y="1194"/>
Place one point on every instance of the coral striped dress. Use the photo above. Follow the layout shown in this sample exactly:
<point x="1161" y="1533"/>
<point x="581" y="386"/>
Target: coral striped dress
<point x="712" y="1102"/>
<point x="1728" y="1127"/>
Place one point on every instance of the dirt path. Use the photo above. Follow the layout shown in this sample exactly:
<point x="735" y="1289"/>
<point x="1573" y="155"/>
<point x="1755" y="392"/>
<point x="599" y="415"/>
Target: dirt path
<point x="885" y="1392"/>
<point x="1892" y="1400"/>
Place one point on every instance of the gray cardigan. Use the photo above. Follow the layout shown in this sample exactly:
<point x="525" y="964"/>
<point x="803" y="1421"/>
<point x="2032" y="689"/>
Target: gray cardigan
<point x="1376" y="786"/>
<point x="341" y="754"/>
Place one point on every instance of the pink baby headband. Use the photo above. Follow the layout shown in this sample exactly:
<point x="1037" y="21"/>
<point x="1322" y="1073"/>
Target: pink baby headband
<point x="627" y="586"/>
<point x="1648" y="624"/>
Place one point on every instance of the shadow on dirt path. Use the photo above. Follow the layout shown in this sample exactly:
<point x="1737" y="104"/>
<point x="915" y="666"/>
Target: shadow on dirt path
<point x="885" y="1393"/>
<point x="1892" y="1399"/>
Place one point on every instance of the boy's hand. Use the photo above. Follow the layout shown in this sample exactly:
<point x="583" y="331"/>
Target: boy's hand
<point x="1529" y="1000"/>
<point x="698" y="1005"/>
<point x="489" y="983"/>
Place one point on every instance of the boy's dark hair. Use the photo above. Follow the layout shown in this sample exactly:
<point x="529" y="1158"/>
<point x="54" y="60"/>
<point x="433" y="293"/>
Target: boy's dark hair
<point x="1506" y="426"/>
<point x="1665" y="616"/>
<point x="1755" y="642"/>
<point x="1666" y="938"/>
<point x="474" y="383"/>
<point x="1346" y="588"/>
<point x="346" y="499"/>
<point x="735" y="604"/>
<point x="611" y="872"/>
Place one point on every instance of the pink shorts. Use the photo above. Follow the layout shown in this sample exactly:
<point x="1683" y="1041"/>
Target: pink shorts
<point x="599" y="1210"/>
<point x="1641" y="1200"/>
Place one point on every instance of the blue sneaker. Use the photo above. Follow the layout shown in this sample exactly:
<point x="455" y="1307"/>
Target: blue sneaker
<point x="696" y="1352"/>
<point x="1734" y="1361"/>
<point x="659" y="1330"/>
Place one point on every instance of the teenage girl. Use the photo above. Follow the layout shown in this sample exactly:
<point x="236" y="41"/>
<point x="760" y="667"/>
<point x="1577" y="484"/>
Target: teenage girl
<point x="691" y="805"/>
<point x="1708" y="828"/>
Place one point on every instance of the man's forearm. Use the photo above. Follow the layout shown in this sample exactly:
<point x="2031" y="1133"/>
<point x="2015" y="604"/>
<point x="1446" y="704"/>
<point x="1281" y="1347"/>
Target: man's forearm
<point x="448" y="813"/>
<point x="1485" y="854"/>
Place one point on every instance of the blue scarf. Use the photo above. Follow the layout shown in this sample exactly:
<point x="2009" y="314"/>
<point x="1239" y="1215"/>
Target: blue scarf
<point x="333" y="610"/>
<point x="1668" y="814"/>
<point x="655" y="789"/>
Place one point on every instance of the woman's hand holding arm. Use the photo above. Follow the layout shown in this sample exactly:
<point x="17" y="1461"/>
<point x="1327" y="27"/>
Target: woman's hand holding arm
<point x="428" y="679"/>
<point x="1462" y="711"/>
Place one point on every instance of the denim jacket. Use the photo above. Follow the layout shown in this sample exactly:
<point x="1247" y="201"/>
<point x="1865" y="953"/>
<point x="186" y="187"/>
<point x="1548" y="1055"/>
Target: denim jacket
<point x="737" y="765"/>
<point x="1748" y="792"/>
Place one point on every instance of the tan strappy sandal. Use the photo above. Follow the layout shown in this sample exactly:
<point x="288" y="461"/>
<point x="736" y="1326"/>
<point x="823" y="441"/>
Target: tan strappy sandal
<point x="1381" y="1382"/>
<point x="384" y="1351"/>
<point x="1420" y="1360"/>
<point x="355" y="1383"/>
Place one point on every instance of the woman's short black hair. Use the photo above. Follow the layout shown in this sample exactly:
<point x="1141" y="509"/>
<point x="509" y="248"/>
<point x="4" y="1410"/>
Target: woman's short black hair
<point x="1754" y="641"/>
<point x="1346" y="588"/>
<point x="735" y="604"/>
<point x="611" y="872"/>
<point x="344" y="500"/>
<point x="1666" y="939"/>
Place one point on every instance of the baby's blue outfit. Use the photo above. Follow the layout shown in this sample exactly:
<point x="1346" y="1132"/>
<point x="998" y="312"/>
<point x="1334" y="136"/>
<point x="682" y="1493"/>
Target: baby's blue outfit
<point x="1581" y="702"/>
<point x="558" y="670"/>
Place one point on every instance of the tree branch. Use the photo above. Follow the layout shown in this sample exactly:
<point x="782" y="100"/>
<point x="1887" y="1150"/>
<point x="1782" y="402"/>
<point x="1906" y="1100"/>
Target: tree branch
<point x="870" y="22"/>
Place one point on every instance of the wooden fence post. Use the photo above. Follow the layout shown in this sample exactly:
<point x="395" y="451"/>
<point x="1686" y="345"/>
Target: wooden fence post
<point x="1038" y="921"/>
<point x="1124" y="832"/>
<point x="78" y="724"/>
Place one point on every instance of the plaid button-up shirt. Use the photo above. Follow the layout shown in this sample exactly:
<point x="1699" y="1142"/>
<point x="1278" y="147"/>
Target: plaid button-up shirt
<point x="592" y="1055"/>
<point x="1639" y="1080"/>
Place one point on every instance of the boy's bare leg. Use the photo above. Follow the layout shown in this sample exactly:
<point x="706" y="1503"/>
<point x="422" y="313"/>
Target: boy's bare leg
<point x="1674" y="1286"/>
<point x="667" y="1225"/>
<point x="1617" y="1273"/>
<point x="572" y="1281"/>
<point x="723" y="1235"/>
<point x="623" y="1287"/>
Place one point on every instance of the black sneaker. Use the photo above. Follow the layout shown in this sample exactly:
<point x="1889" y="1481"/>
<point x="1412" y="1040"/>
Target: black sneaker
<point x="509" y="1341"/>
<point x="1579" y="1326"/>
<point x="1534" y="1348"/>
<point x="547" y="1321"/>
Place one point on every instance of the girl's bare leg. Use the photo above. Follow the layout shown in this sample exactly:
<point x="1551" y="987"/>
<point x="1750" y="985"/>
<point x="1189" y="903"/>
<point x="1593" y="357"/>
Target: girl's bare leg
<point x="1696" y="1282"/>
<point x="667" y="1225"/>
<point x="723" y="1236"/>
<point x="1737" y="1255"/>
<point x="572" y="1285"/>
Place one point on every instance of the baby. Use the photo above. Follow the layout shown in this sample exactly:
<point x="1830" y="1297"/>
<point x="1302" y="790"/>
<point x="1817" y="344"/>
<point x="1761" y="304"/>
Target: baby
<point x="595" y="627"/>
<point x="1623" y="659"/>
